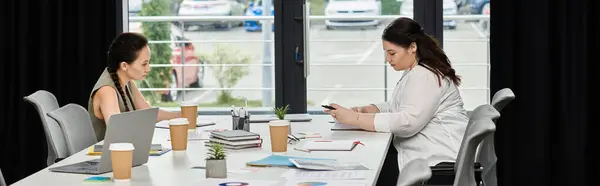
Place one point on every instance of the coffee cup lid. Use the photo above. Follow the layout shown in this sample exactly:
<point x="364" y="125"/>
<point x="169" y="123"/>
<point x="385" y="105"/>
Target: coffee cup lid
<point x="179" y="121"/>
<point x="188" y="103"/>
<point x="279" y="123"/>
<point x="121" y="147"/>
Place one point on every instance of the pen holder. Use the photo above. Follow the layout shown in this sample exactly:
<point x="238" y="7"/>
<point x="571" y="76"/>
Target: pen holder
<point x="241" y="123"/>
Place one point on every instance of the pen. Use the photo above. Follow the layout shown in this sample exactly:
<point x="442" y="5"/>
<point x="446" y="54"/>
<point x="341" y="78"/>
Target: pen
<point x="293" y="137"/>
<point x="300" y="149"/>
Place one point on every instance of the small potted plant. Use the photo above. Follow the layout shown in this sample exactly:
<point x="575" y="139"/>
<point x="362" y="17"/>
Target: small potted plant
<point x="216" y="166"/>
<point x="280" y="112"/>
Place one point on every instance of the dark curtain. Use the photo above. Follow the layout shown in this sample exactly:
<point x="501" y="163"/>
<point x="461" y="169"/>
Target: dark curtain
<point x="58" y="46"/>
<point x="543" y="51"/>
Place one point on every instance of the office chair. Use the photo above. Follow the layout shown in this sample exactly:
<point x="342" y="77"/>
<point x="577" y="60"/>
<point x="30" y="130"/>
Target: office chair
<point x="484" y="111"/>
<point x="487" y="153"/>
<point x="45" y="102"/>
<point x="76" y="126"/>
<point x="502" y="98"/>
<point x="444" y="173"/>
<point x="477" y="130"/>
<point x="414" y="173"/>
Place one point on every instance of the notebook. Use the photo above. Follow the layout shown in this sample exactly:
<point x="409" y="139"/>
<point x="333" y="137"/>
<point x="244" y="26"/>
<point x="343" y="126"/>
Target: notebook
<point x="279" y="161"/>
<point x="235" y="135"/>
<point x="234" y="147"/>
<point x="199" y="123"/>
<point x="236" y="143"/>
<point x="331" y="145"/>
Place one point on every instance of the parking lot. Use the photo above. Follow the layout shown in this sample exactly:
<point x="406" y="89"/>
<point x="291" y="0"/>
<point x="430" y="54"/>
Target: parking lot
<point x="350" y="59"/>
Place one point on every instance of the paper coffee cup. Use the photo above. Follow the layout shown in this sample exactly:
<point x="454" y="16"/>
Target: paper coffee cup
<point x="279" y="134"/>
<point x="178" y="128"/>
<point x="189" y="110"/>
<point x="121" y="155"/>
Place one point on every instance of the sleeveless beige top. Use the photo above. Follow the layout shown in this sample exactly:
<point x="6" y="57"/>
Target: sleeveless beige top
<point x="99" y="124"/>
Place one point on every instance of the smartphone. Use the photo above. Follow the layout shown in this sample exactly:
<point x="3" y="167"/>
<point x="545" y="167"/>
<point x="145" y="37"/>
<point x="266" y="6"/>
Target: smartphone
<point x="328" y="107"/>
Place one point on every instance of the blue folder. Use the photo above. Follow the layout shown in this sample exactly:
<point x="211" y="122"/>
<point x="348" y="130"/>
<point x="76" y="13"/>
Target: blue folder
<point x="279" y="161"/>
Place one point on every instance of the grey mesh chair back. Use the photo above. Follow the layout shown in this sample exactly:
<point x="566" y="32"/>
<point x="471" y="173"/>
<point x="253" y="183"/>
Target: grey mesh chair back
<point x="487" y="156"/>
<point x="477" y="130"/>
<point x="76" y="126"/>
<point x="502" y="98"/>
<point x="2" y="181"/>
<point x="45" y="102"/>
<point x="482" y="111"/>
<point x="414" y="173"/>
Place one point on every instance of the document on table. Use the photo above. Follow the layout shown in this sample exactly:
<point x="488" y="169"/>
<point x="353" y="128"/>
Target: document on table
<point x="295" y="174"/>
<point x="331" y="165"/>
<point x="326" y="182"/>
<point x="214" y="181"/>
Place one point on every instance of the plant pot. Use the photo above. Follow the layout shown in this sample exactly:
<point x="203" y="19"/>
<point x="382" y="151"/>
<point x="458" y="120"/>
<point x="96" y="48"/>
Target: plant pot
<point x="216" y="169"/>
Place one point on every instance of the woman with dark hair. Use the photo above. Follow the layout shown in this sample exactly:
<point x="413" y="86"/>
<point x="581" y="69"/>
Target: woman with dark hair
<point x="115" y="91"/>
<point x="426" y="113"/>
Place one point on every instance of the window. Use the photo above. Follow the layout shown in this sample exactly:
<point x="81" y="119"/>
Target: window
<point x="466" y="42"/>
<point x="230" y="60"/>
<point x="225" y="61"/>
<point x="348" y="65"/>
<point x="347" y="60"/>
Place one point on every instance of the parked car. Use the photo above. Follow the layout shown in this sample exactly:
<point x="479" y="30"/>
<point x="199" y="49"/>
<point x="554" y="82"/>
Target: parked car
<point x="449" y="8"/>
<point x="352" y="8"/>
<point x="475" y="6"/>
<point x="255" y="8"/>
<point x="212" y="8"/>
<point x="192" y="77"/>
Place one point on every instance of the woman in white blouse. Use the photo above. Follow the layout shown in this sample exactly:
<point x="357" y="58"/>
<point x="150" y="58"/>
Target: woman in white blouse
<point x="426" y="113"/>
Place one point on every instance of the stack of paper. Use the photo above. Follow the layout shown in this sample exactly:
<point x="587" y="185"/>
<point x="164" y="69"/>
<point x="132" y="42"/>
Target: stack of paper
<point x="235" y="139"/>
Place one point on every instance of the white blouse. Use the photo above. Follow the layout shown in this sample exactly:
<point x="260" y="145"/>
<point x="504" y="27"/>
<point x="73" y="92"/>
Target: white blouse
<point x="428" y="120"/>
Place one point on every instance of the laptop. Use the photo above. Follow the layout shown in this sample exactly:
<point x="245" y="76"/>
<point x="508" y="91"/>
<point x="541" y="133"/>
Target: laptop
<point x="290" y="117"/>
<point x="136" y="127"/>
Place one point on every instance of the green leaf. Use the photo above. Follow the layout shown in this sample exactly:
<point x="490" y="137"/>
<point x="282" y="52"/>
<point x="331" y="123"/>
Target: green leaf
<point x="216" y="152"/>
<point x="281" y="112"/>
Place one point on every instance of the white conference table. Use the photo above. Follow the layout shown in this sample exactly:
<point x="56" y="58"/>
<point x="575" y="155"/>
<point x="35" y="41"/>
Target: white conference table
<point x="174" y="168"/>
